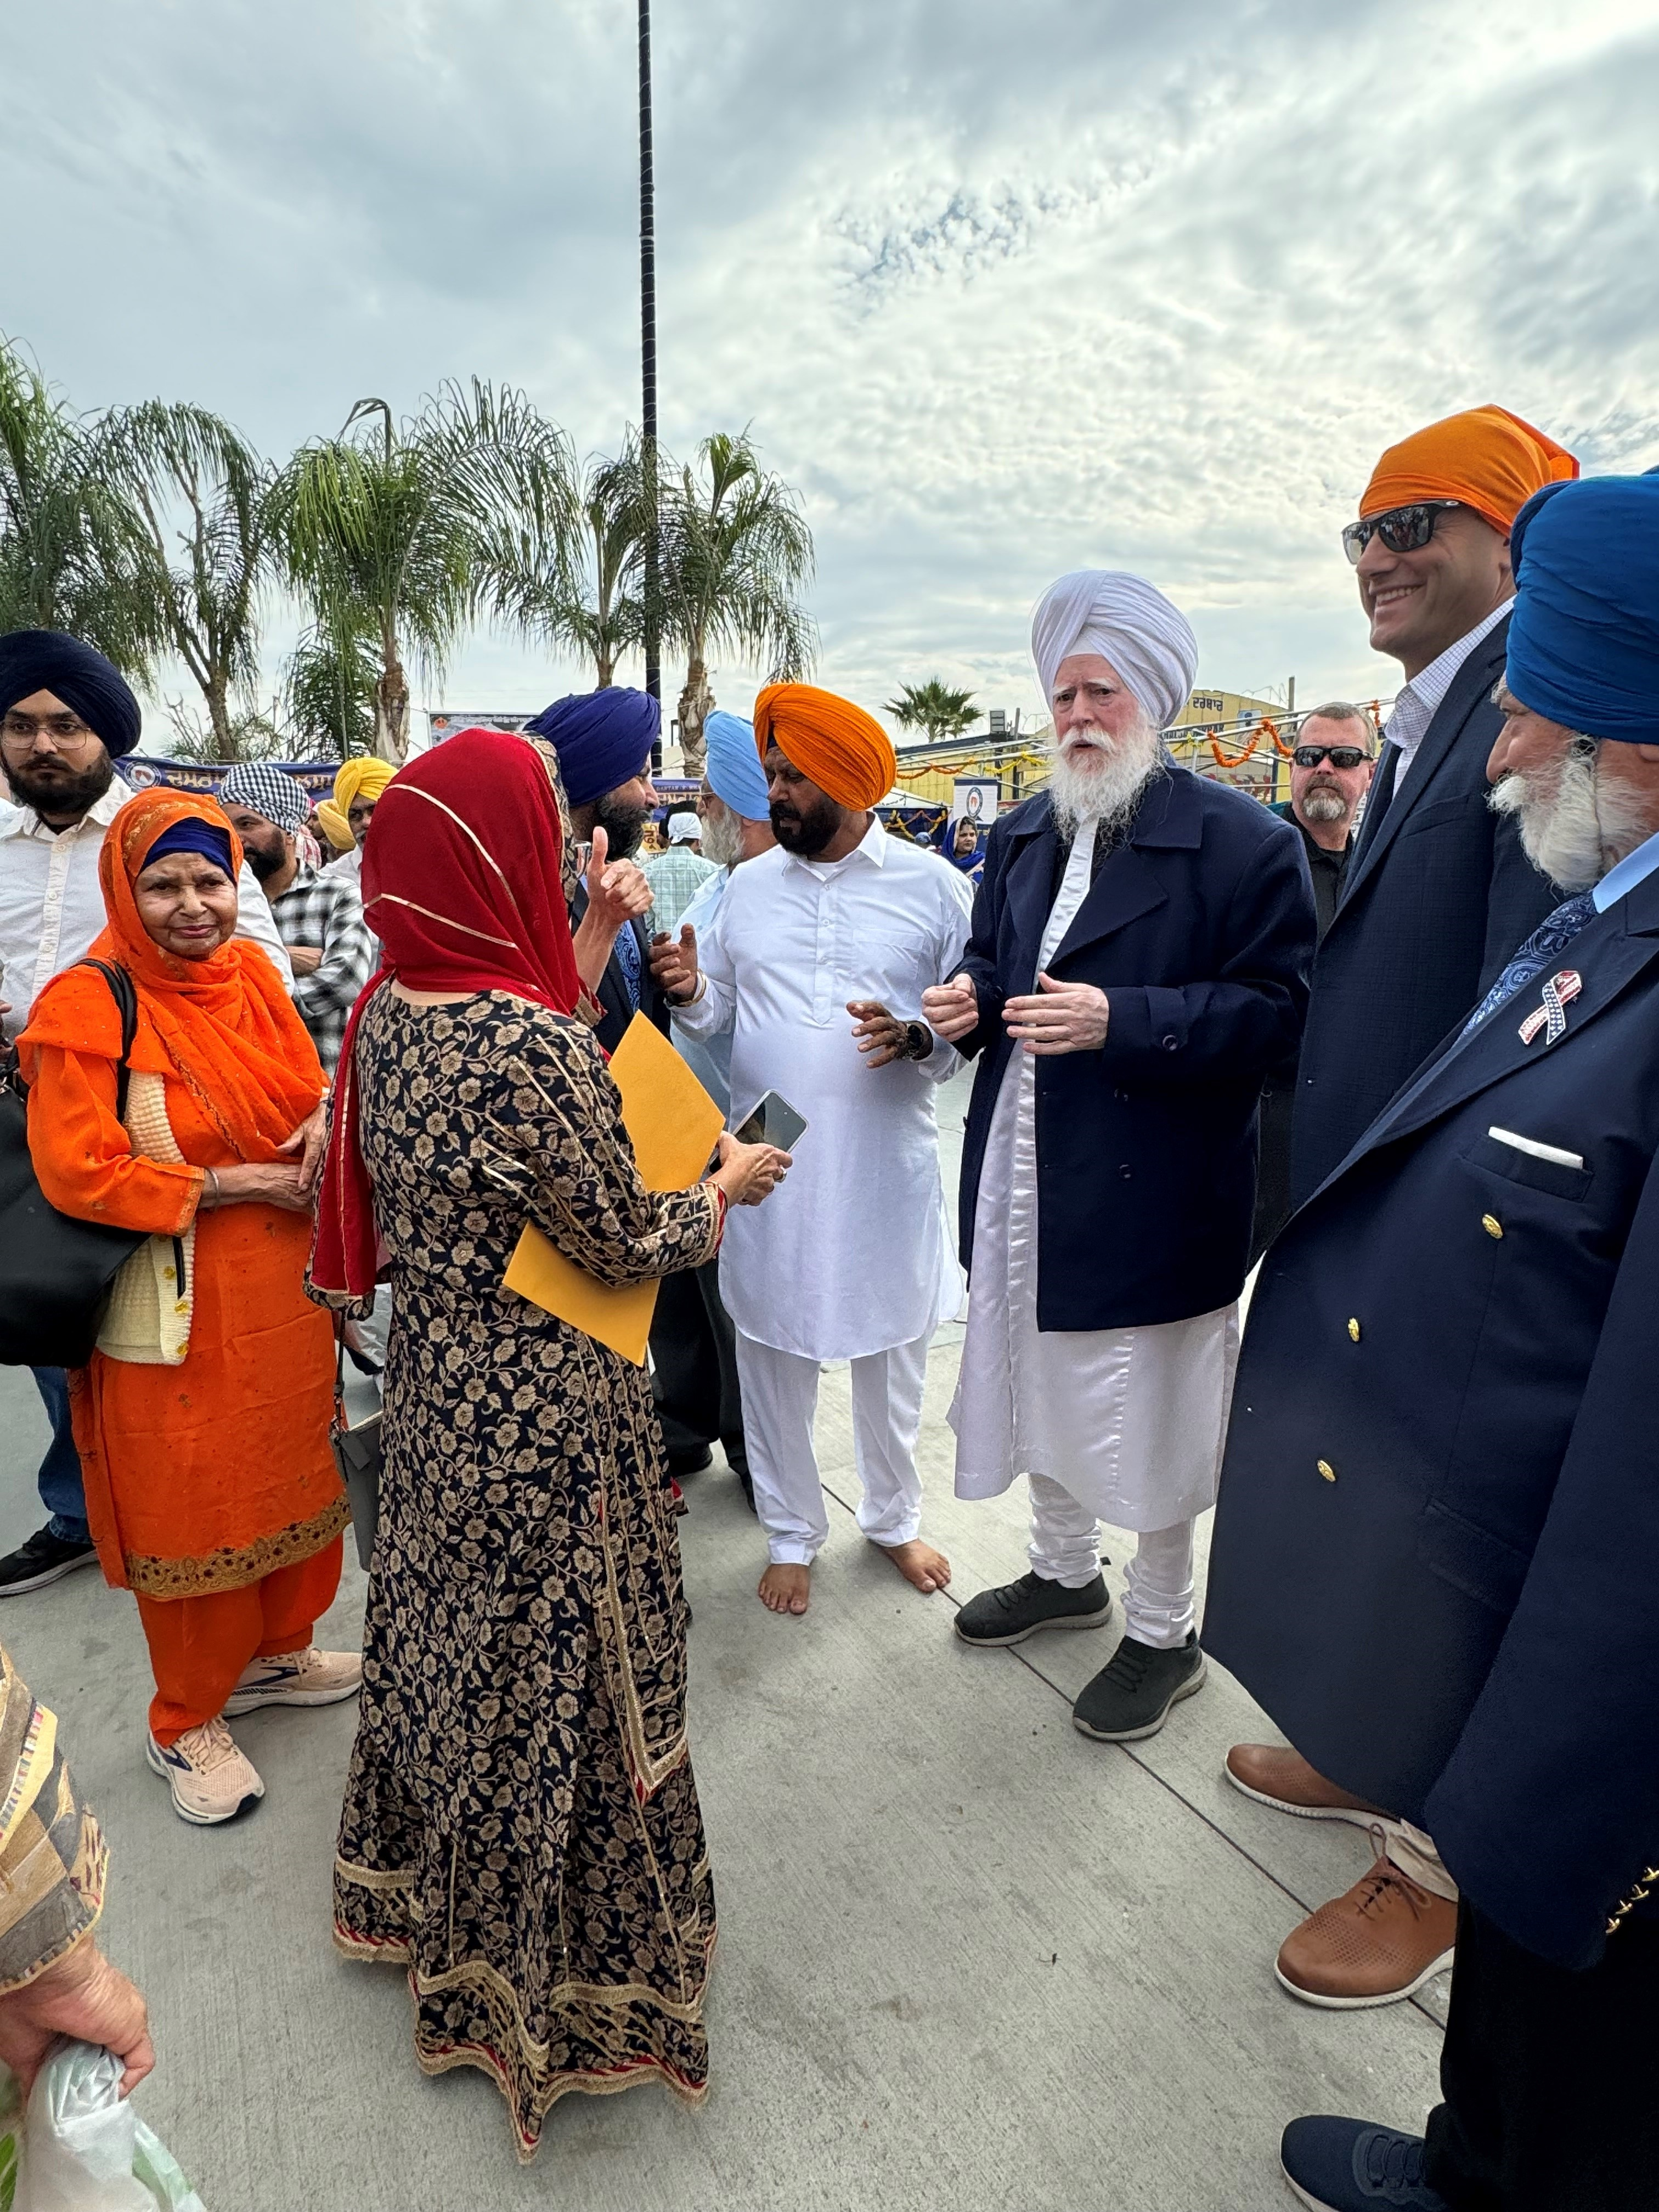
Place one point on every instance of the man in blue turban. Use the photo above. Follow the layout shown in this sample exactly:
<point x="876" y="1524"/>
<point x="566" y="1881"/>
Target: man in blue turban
<point x="603" y="740"/>
<point x="1437" y="1539"/>
<point x="694" y="1348"/>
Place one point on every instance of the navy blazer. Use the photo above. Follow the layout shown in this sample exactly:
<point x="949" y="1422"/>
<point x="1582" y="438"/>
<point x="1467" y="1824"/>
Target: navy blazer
<point x="1436" y="1547"/>
<point x="1437" y="895"/>
<point x="1200" y="929"/>
<point x="612" y="994"/>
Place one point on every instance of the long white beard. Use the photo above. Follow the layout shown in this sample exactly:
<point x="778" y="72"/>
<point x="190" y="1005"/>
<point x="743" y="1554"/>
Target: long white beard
<point x="1576" y="828"/>
<point x="722" y="834"/>
<point x="1102" y="783"/>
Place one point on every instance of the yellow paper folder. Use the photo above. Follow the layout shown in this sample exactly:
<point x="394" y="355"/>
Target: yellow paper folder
<point x="673" y="1125"/>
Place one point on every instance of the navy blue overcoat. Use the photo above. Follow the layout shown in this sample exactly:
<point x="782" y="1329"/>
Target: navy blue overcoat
<point x="1436" y="1549"/>
<point x="1200" y="929"/>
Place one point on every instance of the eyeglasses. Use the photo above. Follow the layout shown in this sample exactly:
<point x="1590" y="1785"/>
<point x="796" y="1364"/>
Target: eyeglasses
<point x="67" y="732"/>
<point x="1402" y="529"/>
<point x="1338" y="755"/>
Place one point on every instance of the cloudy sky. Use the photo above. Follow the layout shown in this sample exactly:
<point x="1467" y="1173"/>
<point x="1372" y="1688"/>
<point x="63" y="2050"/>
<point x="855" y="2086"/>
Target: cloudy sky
<point x="1004" y="289"/>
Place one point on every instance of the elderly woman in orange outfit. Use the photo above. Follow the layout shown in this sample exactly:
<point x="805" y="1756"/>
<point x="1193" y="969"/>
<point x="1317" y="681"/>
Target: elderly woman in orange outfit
<point x="203" y="1419"/>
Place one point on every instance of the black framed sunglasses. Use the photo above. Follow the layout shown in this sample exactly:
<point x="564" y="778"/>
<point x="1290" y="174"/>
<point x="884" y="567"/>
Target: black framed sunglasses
<point x="1338" y="755"/>
<point x="1402" y="529"/>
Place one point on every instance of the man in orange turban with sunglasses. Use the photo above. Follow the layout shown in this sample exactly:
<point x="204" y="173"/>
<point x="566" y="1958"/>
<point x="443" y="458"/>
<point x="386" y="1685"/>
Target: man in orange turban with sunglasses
<point x="838" y="920"/>
<point x="1437" y="897"/>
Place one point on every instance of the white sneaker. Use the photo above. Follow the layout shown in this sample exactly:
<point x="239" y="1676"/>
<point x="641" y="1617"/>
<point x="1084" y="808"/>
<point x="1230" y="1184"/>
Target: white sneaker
<point x="310" y="1677"/>
<point x="210" y="1778"/>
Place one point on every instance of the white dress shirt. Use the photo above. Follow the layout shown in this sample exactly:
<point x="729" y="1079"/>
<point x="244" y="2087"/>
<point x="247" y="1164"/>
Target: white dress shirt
<point x="853" y="1254"/>
<point x="708" y="1058"/>
<point x="52" y="906"/>
<point x="1417" y="703"/>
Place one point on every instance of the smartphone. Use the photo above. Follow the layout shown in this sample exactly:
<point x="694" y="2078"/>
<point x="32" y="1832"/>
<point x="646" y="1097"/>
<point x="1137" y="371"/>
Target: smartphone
<point x="773" y="1122"/>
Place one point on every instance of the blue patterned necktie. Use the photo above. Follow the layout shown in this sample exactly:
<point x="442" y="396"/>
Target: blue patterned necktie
<point x="1553" y="935"/>
<point x="628" y="958"/>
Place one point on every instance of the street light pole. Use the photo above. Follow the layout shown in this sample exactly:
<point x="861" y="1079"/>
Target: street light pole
<point x="648" y="373"/>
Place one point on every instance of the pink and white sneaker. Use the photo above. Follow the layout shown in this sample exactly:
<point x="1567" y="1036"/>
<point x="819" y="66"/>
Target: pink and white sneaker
<point x="310" y="1677"/>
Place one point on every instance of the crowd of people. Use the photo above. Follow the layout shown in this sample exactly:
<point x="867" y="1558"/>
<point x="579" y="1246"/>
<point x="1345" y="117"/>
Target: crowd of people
<point x="1392" y="1043"/>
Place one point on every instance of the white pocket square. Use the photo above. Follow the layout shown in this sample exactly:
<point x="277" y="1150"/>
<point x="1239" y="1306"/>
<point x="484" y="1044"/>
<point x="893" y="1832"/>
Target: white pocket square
<point x="1535" y="1151"/>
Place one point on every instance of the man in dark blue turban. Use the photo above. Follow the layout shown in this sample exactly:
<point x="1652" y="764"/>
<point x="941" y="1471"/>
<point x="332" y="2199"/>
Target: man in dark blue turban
<point x="1437" y="1539"/>
<point x="603" y="740"/>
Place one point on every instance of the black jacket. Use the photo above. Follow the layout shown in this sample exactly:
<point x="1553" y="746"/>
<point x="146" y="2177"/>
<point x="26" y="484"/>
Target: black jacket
<point x="1437" y="895"/>
<point x="612" y="994"/>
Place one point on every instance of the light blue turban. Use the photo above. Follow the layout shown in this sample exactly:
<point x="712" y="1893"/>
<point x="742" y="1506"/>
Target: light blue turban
<point x="735" y="775"/>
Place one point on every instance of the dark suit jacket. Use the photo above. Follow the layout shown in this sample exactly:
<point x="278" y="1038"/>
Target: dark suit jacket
<point x="1437" y="897"/>
<point x="1436" y="1547"/>
<point x="1200" y="929"/>
<point x="612" y="994"/>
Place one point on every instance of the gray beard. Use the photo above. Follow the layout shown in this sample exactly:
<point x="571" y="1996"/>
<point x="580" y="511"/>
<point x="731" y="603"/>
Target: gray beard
<point x="1106" y="795"/>
<point x="722" y="838"/>
<point x="1576" y="831"/>
<point x="1325" y="807"/>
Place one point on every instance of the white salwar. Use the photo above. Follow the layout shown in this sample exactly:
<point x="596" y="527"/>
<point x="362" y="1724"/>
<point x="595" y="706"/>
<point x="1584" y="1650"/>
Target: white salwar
<point x="1124" y="1425"/>
<point x="852" y="1257"/>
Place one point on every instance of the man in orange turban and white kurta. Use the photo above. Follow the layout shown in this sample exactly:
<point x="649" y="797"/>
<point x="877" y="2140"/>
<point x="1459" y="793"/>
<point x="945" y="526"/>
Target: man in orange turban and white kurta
<point x="817" y="964"/>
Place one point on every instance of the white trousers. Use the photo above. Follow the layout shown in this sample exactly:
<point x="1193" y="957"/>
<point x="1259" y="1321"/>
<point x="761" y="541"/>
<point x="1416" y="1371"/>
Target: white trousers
<point x="1065" y="1548"/>
<point x="780" y="1397"/>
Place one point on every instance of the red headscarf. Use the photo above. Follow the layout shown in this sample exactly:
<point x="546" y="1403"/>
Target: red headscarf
<point x="223" y="1024"/>
<point x="461" y="884"/>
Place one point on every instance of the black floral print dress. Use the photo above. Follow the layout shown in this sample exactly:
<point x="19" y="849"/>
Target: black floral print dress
<point x="521" y="1827"/>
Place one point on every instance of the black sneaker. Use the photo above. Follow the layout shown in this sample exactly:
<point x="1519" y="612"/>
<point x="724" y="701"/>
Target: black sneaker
<point x="1016" y="1610"/>
<point x="45" y="1559"/>
<point x="1351" y="2166"/>
<point x="697" y="1461"/>
<point x="1132" y="1694"/>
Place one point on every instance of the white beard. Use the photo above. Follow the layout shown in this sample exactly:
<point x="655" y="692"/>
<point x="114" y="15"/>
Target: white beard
<point x="722" y="834"/>
<point x="1100" y="783"/>
<point x="1576" y="828"/>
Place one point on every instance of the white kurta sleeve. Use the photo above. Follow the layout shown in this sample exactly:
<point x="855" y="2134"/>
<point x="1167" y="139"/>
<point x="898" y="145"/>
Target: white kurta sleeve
<point x="955" y="923"/>
<point x="716" y="1008"/>
<point x="254" y="920"/>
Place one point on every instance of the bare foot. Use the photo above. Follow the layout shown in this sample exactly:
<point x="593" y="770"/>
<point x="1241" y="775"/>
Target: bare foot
<point x="919" y="1563"/>
<point x="785" y="1589"/>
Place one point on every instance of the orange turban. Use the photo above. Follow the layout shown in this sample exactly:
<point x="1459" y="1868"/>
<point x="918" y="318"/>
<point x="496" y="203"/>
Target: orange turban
<point x="834" y="744"/>
<point x="1487" y="457"/>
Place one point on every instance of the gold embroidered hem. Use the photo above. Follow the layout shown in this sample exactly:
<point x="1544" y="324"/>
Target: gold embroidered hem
<point x="248" y="1562"/>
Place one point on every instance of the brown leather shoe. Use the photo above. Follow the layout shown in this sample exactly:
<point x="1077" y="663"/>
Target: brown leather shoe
<point x="1378" y="1942"/>
<point x="1275" y="1775"/>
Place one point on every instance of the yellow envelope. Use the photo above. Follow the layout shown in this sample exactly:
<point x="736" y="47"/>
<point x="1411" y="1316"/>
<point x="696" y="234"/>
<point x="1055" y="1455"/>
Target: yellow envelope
<point x="673" y="1125"/>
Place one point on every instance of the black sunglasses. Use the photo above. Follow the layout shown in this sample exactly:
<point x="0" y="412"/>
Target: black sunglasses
<point x="1402" y="529"/>
<point x="1338" y="755"/>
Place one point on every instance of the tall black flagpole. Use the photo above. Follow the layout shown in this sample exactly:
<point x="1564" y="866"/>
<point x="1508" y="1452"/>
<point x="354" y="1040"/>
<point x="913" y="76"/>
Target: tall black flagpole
<point x="648" y="371"/>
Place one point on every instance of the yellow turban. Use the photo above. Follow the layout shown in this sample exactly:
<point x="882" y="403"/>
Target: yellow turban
<point x="334" y="826"/>
<point x="1487" y="457"/>
<point x="834" y="744"/>
<point x="362" y="776"/>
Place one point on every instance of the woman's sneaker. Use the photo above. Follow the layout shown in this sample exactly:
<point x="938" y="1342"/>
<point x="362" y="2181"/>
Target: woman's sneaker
<point x="310" y="1677"/>
<point x="210" y="1778"/>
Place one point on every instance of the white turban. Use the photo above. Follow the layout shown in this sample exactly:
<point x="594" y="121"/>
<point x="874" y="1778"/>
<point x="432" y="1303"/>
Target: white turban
<point x="1108" y="612"/>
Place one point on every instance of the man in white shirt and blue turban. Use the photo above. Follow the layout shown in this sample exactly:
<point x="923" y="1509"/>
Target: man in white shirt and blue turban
<point x="1139" y="963"/>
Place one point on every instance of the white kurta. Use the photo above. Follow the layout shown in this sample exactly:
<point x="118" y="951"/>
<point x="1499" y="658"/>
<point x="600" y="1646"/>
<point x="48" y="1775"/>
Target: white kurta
<point x="1131" y="1421"/>
<point x="853" y="1254"/>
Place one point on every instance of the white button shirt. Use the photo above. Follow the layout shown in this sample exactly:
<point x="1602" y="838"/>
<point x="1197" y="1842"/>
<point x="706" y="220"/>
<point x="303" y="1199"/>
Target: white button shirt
<point x="51" y="908"/>
<point x="853" y="1253"/>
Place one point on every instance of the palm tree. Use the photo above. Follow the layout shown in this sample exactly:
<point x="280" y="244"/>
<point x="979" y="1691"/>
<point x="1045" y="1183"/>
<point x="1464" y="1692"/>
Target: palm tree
<point x="583" y="592"/>
<point x="736" y="551"/>
<point x="200" y="498"/>
<point x="936" y="708"/>
<point x="65" y="537"/>
<point x="401" y="531"/>
<point x="330" y="694"/>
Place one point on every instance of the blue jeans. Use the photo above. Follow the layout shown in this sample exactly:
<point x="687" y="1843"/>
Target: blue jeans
<point x="61" y="1493"/>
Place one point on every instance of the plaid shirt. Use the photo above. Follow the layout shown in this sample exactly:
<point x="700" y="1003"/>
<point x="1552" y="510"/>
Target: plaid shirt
<point x="326" y="910"/>
<point x="675" y="877"/>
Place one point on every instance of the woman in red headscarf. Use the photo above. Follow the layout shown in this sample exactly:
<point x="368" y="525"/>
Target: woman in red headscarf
<point x="521" y="1828"/>
<point x="202" y="1418"/>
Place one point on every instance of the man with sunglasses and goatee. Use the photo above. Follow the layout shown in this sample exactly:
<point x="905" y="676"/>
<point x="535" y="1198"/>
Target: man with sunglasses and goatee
<point x="1437" y="895"/>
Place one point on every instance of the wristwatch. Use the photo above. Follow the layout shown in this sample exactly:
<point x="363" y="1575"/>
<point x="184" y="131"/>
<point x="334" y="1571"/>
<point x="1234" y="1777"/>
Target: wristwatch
<point x="918" y="1040"/>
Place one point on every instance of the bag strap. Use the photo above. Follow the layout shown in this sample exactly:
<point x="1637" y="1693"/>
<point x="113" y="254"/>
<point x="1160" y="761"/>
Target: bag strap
<point x="126" y="1000"/>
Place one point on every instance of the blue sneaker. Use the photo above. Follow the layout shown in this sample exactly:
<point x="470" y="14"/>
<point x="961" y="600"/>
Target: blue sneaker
<point x="1351" y="2166"/>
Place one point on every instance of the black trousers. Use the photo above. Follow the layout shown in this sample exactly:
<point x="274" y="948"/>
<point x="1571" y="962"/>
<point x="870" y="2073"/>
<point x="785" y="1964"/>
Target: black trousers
<point x="1551" y="2080"/>
<point x="694" y="1354"/>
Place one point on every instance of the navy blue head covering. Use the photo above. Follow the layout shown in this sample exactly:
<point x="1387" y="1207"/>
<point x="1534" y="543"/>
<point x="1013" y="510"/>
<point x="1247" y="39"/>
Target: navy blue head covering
<point x="603" y="739"/>
<point x="1583" y="640"/>
<point x="34" y="660"/>
<point x="194" y="836"/>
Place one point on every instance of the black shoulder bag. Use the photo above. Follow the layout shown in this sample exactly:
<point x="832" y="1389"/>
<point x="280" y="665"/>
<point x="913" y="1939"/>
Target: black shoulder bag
<point x="56" y="1273"/>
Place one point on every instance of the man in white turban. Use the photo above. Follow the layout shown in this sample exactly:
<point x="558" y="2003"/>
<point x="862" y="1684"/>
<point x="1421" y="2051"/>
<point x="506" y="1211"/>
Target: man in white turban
<point x="1139" y="963"/>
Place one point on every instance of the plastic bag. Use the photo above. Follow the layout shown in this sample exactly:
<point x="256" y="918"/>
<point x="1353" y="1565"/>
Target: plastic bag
<point x="79" y="2148"/>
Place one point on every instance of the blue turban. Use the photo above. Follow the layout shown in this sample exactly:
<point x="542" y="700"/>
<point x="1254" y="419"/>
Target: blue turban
<point x="603" y="739"/>
<point x="193" y="835"/>
<point x="735" y="775"/>
<point x="34" y="660"/>
<point x="1583" y="641"/>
